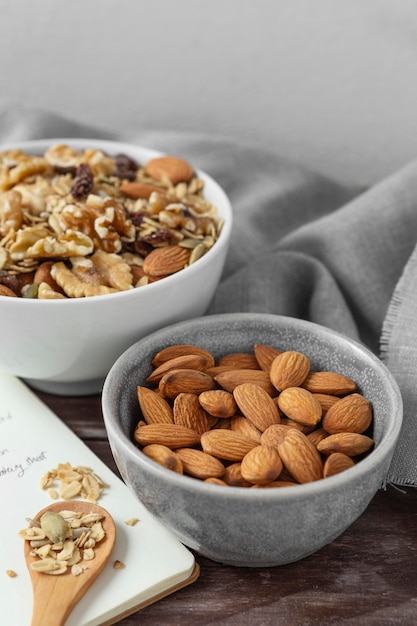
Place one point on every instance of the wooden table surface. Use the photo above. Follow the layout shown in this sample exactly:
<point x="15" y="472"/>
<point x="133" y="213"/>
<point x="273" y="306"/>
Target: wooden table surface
<point x="368" y="576"/>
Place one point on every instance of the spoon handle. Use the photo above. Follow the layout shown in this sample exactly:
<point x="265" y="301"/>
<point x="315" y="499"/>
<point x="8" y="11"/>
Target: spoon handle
<point x="51" y="609"/>
<point x="55" y="595"/>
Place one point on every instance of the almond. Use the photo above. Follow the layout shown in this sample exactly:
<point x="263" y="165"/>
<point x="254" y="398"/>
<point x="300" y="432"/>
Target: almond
<point x="232" y="378"/>
<point x="287" y="476"/>
<point x="261" y="465"/>
<point x="173" y="168"/>
<point x="139" y="190"/>
<point x="226" y="444"/>
<point x="330" y="383"/>
<point x="304" y="428"/>
<point x="215" y="481"/>
<point x="243" y="426"/>
<point x="233" y="476"/>
<point x="273" y="434"/>
<point x="184" y="381"/>
<point x="200" y="464"/>
<point x="219" y="369"/>
<point x="170" y="435"/>
<point x="171" y="352"/>
<point x="317" y="435"/>
<point x="43" y="275"/>
<point x="238" y="360"/>
<point x="300" y="457"/>
<point x="224" y="422"/>
<point x="137" y="273"/>
<point x="256" y="405"/>
<point x="353" y="414"/>
<point x="187" y="361"/>
<point x="326" y="400"/>
<point x="351" y="444"/>
<point x="5" y="291"/>
<point x="218" y="402"/>
<point x="289" y="369"/>
<point x="164" y="456"/>
<point x="166" y="260"/>
<point x="155" y="409"/>
<point x="276" y="483"/>
<point x="188" y="412"/>
<point x="265" y="355"/>
<point x="300" y="405"/>
<point x="336" y="463"/>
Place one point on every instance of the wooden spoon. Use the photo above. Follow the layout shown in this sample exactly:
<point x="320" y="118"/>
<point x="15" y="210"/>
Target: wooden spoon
<point x="55" y="596"/>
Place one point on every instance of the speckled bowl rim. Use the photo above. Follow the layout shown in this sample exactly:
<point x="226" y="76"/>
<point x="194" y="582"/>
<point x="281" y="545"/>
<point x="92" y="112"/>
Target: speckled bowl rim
<point x="356" y="473"/>
<point x="114" y="147"/>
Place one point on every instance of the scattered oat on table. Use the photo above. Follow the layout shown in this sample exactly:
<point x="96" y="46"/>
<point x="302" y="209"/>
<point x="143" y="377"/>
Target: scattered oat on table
<point x="73" y="482"/>
<point x="132" y="521"/>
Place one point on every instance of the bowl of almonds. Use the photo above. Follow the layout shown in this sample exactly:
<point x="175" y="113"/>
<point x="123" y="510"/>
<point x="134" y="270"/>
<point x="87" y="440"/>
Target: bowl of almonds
<point x="100" y="243"/>
<point x="256" y="439"/>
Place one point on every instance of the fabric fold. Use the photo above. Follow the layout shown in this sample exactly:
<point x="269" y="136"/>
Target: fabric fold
<point x="399" y="353"/>
<point x="302" y="245"/>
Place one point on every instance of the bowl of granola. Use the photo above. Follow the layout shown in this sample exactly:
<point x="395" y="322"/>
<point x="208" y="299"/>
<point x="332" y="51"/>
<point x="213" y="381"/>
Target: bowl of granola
<point x="256" y="439"/>
<point x="101" y="243"/>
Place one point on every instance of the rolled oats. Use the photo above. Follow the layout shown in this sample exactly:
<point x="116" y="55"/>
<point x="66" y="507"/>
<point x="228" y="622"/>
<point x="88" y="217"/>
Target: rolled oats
<point x="79" y="481"/>
<point x="88" y="205"/>
<point x="64" y="542"/>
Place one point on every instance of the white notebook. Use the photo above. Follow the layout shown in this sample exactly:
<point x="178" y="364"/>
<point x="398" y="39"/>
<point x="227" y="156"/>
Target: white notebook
<point x="34" y="440"/>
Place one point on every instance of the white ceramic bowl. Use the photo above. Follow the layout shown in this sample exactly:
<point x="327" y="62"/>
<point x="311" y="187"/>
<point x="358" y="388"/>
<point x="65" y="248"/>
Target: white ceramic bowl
<point x="253" y="527"/>
<point x="68" y="346"/>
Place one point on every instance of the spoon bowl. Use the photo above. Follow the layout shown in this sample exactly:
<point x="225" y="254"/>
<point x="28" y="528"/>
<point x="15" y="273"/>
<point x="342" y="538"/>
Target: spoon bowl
<point x="55" y="596"/>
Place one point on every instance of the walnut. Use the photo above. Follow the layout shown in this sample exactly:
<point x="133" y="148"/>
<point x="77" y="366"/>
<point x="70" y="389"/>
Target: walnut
<point x="11" y="213"/>
<point x="35" y="195"/>
<point x="111" y="226"/>
<point x="73" y="286"/>
<point x="115" y="272"/>
<point x="62" y="156"/>
<point x="4" y="257"/>
<point x="45" y="292"/>
<point x="26" y="238"/>
<point x="70" y="243"/>
<point x="28" y="166"/>
<point x="77" y="217"/>
<point x="84" y="269"/>
<point x="121" y="222"/>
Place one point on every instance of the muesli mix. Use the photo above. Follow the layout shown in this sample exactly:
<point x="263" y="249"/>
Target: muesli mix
<point x="79" y="223"/>
<point x="63" y="541"/>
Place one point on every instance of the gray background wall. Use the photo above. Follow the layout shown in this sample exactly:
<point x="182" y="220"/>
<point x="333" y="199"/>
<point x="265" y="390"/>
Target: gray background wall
<point x="329" y="83"/>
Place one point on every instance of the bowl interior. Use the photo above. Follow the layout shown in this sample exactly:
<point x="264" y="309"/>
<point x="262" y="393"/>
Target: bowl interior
<point x="68" y="346"/>
<point x="212" y="190"/>
<point x="224" y="333"/>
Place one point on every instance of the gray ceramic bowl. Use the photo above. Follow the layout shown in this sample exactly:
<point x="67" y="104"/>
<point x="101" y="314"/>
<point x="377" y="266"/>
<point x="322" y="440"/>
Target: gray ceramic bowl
<point x="253" y="527"/>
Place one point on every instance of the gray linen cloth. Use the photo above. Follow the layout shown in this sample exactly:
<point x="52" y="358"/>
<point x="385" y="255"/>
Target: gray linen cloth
<point x="302" y="245"/>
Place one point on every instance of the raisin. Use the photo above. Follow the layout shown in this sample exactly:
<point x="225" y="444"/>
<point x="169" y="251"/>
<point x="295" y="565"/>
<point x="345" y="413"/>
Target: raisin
<point x="159" y="237"/>
<point x="138" y="217"/>
<point x="125" y="167"/>
<point x="15" y="282"/>
<point x="83" y="182"/>
<point x="141" y="247"/>
<point x="70" y="169"/>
